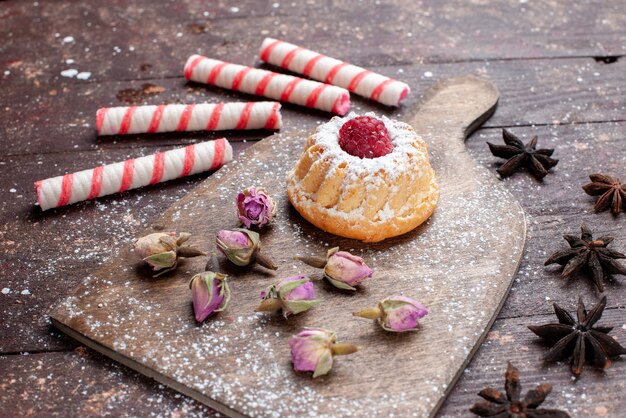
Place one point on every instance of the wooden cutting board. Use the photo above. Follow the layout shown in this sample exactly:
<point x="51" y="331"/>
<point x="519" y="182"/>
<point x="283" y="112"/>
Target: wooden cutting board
<point x="460" y="264"/>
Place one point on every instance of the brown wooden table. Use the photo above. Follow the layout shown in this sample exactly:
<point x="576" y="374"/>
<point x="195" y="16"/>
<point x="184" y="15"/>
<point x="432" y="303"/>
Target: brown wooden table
<point x="561" y="71"/>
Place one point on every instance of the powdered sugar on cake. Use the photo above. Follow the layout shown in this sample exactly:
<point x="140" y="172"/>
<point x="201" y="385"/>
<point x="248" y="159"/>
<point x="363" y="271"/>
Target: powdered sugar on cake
<point x="402" y="135"/>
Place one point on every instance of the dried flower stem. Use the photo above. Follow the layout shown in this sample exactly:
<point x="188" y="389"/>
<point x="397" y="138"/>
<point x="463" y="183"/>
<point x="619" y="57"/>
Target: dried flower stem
<point x="189" y="252"/>
<point x="317" y="262"/>
<point x="265" y="261"/>
<point x="269" y="305"/>
<point x="369" y="313"/>
<point x="341" y="349"/>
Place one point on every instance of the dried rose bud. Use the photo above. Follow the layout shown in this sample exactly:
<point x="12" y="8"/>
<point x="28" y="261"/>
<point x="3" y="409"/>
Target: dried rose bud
<point x="293" y="295"/>
<point x="238" y="246"/>
<point x="342" y="269"/>
<point x="312" y="350"/>
<point x="255" y="207"/>
<point x="162" y="250"/>
<point x="210" y="294"/>
<point x="242" y="247"/>
<point x="396" y="313"/>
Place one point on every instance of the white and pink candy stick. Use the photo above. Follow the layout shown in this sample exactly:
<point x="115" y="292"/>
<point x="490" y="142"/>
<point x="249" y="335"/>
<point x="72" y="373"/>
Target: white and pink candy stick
<point x="282" y="87"/>
<point x="358" y="80"/>
<point x="190" y="117"/>
<point x="133" y="173"/>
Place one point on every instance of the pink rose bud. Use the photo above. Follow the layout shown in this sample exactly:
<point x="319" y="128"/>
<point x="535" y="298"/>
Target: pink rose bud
<point x="342" y="269"/>
<point x="312" y="350"/>
<point x="210" y="294"/>
<point x="293" y="295"/>
<point x="241" y="247"/>
<point x="162" y="250"/>
<point x="255" y="207"/>
<point x="396" y="313"/>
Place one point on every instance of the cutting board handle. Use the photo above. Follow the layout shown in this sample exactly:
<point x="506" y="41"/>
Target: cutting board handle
<point x="456" y="105"/>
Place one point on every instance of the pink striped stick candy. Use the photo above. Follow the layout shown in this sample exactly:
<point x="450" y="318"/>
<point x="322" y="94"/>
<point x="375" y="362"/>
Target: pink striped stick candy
<point x="133" y="173"/>
<point x="191" y="117"/>
<point x="358" y="80"/>
<point x="282" y="87"/>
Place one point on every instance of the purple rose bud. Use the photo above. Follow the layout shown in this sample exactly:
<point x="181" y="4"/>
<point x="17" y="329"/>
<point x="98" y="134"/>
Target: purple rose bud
<point x="396" y="313"/>
<point x="210" y="294"/>
<point x="242" y="246"/>
<point x="345" y="270"/>
<point x="304" y="291"/>
<point x="236" y="245"/>
<point x="342" y="269"/>
<point x="312" y="350"/>
<point x="255" y="207"/>
<point x="162" y="250"/>
<point x="293" y="295"/>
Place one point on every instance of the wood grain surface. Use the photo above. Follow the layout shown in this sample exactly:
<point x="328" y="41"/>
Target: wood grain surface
<point x="560" y="69"/>
<point x="477" y="234"/>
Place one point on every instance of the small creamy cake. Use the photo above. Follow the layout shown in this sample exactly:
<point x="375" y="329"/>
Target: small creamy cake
<point x="364" y="177"/>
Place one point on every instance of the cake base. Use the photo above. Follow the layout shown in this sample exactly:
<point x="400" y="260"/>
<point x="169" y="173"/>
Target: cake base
<point x="359" y="227"/>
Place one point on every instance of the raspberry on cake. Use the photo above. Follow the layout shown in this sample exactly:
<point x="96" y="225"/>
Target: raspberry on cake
<point x="364" y="177"/>
<point x="365" y="137"/>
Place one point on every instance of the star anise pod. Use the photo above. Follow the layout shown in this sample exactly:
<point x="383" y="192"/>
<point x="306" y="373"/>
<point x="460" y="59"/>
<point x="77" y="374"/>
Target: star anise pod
<point x="537" y="161"/>
<point x="590" y="256"/>
<point x="578" y="339"/>
<point x="611" y="190"/>
<point x="510" y="405"/>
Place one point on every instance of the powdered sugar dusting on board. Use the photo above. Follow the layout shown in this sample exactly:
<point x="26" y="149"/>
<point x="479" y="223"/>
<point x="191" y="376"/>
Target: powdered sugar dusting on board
<point x="241" y="359"/>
